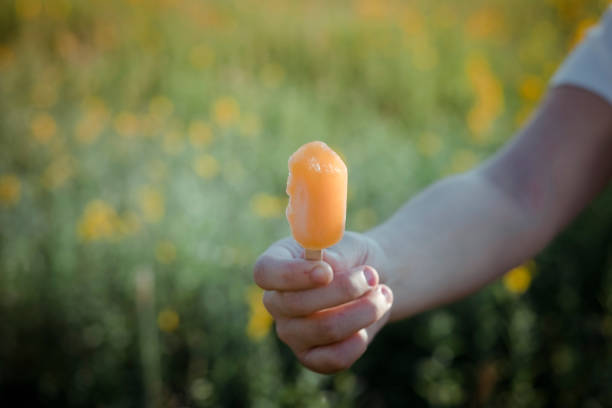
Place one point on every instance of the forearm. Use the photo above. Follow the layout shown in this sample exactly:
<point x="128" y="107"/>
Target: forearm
<point x="450" y="240"/>
<point x="465" y="231"/>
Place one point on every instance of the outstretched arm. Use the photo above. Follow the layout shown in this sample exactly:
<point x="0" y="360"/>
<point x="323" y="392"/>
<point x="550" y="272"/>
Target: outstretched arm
<point x="448" y="241"/>
<point x="467" y="230"/>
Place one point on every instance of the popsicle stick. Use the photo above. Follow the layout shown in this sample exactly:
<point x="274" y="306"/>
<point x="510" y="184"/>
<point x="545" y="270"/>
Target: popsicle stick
<point x="313" y="254"/>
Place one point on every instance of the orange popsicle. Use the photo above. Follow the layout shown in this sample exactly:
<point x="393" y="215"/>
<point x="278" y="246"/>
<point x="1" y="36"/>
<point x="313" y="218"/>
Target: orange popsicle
<point x="316" y="187"/>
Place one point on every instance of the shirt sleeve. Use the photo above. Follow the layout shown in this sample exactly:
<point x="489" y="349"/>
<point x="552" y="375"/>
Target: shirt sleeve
<point x="589" y="66"/>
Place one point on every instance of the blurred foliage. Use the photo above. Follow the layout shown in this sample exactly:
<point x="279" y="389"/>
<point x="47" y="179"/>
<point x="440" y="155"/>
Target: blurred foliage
<point x="143" y="149"/>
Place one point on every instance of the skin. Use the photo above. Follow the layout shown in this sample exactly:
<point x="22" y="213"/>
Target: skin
<point x="448" y="241"/>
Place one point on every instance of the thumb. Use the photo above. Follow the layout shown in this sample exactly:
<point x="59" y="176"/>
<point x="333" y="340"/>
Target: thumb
<point x="280" y="268"/>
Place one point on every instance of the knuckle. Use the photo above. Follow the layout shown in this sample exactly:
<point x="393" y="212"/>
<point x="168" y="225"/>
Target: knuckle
<point x="283" y="332"/>
<point x="259" y="271"/>
<point x="348" y="286"/>
<point x="328" y="329"/>
<point x="371" y="309"/>
<point x="269" y="303"/>
<point x="288" y="303"/>
<point x="287" y="277"/>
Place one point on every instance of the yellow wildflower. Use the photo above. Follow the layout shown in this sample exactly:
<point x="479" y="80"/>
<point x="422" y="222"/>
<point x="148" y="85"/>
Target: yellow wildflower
<point x="272" y="75"/>
<point x="260" y="320"/>
<point x="226" y="111"/>
<point x="105" y="35"/>
<point x="372" y="9"/>
<point x="478" y="71"/>
<point x="201" y="56"/>
<point x="518" y="279"/>
<point x="95" y="106"/>
<point x="89" y="127"/>
<point x="58" y="172"/>
<point x="168" y="320"/>
<point x="485" y="23"/>
<point x="43" y="127"/>
<point x="206" y="166"/>
<point x="199" y="133"/>
<point x="10" y="190"/>
<point x="127" y="124"/>
<point x="99" y="222"/>
<point x="412" y="21"/>
<point x="568" y="10"/>
<point x="165" y="252"/>
<point x="581" y="31"/>
<point x="479" y="120"/>
<point x="531" y="88"/>
<point x="27" y="9"/>
<point x="489" y="96"/>
<point x="268" y="206"/>
<point x="67" y="45"/>
<point x="7" y="56"/>
<point x="151" y="204"/>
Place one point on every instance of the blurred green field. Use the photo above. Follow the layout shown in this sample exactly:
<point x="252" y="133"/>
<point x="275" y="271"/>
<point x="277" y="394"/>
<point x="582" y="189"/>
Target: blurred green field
<point x="143" y="161"/>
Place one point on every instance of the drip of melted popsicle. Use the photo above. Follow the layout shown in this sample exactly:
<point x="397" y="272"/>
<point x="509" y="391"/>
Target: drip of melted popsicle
<point x="316" y="186"/>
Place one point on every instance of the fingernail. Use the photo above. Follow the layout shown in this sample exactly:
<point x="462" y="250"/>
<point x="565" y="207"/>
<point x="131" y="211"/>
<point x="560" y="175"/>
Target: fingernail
<point x="319" y="274"/>
<point x="386" y="293"/>
<point x="370" y="276"/>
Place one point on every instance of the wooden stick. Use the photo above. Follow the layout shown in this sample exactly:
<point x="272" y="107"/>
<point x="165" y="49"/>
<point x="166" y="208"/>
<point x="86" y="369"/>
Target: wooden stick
<point x="313" y="254"/>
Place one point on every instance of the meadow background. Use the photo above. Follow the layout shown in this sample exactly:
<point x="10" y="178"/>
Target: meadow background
<point x="143" y="161"/>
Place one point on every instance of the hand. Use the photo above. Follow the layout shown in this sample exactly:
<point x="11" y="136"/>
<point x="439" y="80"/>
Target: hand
<point x="329" y="311"/>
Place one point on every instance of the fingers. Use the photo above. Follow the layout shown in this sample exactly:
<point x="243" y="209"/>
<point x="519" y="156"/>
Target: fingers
<point x="336" y="324"/>
<point x="336" y="357"/>
<point x="273" y="272"/>
<point x="341" y="355"/>
<point x="345" y="287"/>
<point x="327" y="312"/>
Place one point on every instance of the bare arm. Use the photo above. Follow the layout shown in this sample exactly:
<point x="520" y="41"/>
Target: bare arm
<point x="447" y="242"/>
<point x="467" y="230"/>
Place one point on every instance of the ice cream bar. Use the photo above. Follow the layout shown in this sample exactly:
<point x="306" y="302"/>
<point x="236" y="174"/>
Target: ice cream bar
<point x="316" y="186"/>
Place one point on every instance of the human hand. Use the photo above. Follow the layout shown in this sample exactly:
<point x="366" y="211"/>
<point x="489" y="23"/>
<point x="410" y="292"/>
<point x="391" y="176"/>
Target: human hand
<point x="327" y="312"/>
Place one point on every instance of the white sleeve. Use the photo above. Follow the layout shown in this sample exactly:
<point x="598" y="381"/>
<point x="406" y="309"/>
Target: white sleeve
<point x="589" y="66"/>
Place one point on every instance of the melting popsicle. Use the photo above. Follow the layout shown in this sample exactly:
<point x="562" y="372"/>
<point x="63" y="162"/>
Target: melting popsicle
<point x="316" y="186"/>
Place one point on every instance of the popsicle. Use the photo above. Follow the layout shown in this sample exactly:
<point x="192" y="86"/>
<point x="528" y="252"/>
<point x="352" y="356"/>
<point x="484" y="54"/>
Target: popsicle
<point x="316" y="186"/>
